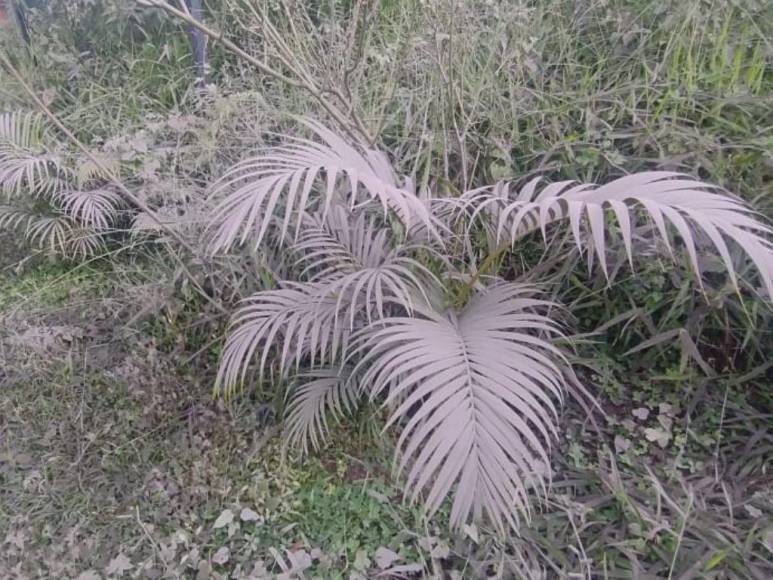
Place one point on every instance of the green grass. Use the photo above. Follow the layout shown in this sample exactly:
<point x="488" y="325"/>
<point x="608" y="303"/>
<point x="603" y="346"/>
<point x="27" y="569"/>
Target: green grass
<point x="125" y="470"/>
<point x="49" y="283"/>
<point x="127" y="456"/>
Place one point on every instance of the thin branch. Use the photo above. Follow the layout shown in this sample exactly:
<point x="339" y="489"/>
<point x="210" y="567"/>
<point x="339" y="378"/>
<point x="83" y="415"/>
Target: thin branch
<point x="357" y="132"/>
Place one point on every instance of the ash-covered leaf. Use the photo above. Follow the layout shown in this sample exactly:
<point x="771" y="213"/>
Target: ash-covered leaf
<point x="248" y="515"/>
<point x="385" y="557"/>
<point x="118" y="565"/>
<point x="222" y="556"/>
<point x="661" y="436"/>
<point x="622" y="444"/>
<point x="223" y="519"/>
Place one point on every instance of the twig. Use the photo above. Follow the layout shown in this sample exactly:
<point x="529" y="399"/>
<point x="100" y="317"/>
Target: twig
<point x="356" y="132"/>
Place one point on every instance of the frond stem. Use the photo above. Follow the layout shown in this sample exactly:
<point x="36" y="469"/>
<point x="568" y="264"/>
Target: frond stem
<point x="485" y="266"/>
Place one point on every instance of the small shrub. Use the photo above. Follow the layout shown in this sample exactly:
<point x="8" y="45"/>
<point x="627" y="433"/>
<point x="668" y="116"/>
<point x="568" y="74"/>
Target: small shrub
<point x="391" y="301"/>
<point x="59" y="208"/>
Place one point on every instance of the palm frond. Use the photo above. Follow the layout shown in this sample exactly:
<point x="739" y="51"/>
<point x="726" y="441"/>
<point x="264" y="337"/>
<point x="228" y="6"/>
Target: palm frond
<point x="95" y="208"/>
<point x="333" y="245"/>
<point x="55" y="233"/>
<point x="486" y="383"/>
<point x="294" y="317"/>
<point x="25" y="162"/>
<point x="325" y="393"/>
<point x="280" y="184"/>
<point x="22" y="129"/>
<point x="50" y="231"/>
<point x="82" y="243"/>
<point x="354" y="258"/>
<point x="696" y="211"/>
<point x="354" y="275"/>
<point x="14" y="218"/>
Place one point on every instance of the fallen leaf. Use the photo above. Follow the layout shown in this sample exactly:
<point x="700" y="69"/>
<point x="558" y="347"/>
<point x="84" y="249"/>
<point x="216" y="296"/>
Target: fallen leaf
<point x="622" y="444"/>
<point x="660" y="435"/>
<point x="88" y="575"/>
<point x="222" y="556"/>
<point x="259" y="570"/>
<point x="441" y="551"/>
<point x="753" y="511"/>
<point x="641" y="413"/>
<point x="118" y="565"/>
<point x="224" y="519"/>
<point x="299" y="559"/>
<point x="168" y="551"/>
<point x="248" y="515"/>
<point x="385" y="557"/>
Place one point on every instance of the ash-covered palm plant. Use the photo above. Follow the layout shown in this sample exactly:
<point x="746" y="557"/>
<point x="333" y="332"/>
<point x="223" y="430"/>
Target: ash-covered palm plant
<point x="389" y="301"/>
<point x="56" y="206"/>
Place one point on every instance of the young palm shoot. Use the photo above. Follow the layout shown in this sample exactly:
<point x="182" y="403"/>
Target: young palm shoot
<point x="474" y="384"/>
